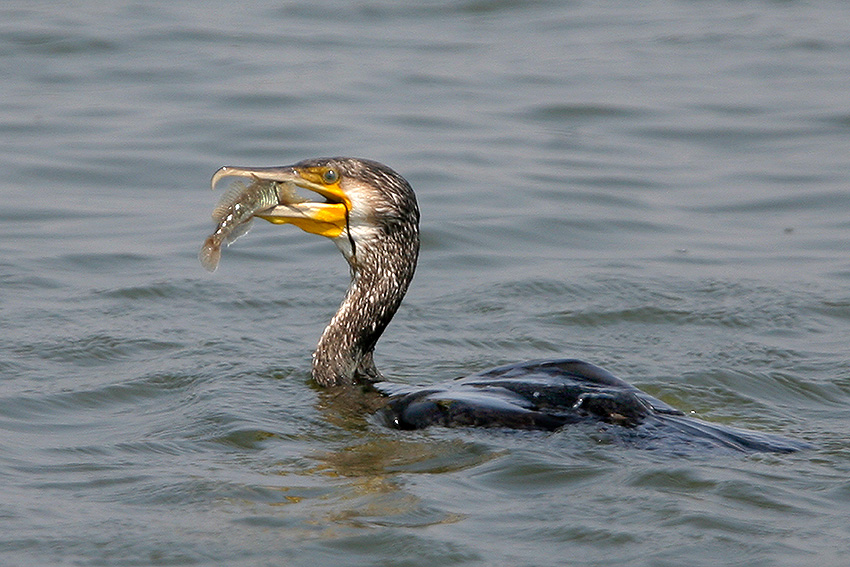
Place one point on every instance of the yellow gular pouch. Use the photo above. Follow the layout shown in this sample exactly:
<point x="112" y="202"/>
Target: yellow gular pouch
<point x="324" y="219"/>
<point x="327" y="219"/>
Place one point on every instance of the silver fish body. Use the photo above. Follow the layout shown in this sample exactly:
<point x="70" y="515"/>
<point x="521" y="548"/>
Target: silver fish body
<point x="233" y="216"/>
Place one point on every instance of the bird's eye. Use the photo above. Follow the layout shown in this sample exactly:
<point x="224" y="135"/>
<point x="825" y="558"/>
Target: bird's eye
<point x="330" y="176"/>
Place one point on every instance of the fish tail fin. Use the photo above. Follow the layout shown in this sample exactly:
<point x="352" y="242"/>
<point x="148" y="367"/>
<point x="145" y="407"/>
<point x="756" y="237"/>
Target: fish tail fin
<point x="210" y="253"/>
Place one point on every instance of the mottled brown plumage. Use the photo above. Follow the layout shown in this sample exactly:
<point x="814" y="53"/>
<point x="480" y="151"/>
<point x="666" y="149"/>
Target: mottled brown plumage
<point x="381" y="245"/>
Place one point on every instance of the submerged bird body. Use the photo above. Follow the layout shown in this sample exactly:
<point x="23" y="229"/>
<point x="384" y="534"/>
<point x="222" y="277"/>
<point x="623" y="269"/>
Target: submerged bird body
<point x="371" y="214"/>
<point x="550" y="394"/>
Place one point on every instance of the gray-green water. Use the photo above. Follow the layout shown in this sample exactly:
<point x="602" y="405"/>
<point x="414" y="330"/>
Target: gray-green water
<point x="661" y="188"/>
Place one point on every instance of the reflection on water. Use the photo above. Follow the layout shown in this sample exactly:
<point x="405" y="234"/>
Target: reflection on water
<point x="360" y="473"/>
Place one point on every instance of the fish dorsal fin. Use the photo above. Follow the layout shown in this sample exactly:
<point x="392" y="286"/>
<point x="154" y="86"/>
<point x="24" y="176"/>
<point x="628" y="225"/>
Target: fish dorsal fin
<point x="228" y="200"/>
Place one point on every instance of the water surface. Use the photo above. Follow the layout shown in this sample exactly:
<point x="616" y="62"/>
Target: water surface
<point x="659" y="188"/>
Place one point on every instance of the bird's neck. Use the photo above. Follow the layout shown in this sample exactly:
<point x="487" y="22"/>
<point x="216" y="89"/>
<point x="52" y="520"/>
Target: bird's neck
<point x="380" y="276"/>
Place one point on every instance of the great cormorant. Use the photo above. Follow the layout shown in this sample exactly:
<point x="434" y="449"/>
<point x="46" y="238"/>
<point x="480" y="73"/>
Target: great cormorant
<point x="371" y="214"/>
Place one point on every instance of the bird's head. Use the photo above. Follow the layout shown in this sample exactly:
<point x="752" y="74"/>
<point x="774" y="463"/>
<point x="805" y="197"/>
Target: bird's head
<point x="357" y="203"/>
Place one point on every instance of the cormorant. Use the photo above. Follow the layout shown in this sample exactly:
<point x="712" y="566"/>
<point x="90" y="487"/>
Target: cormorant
<point x="371" y="214"/>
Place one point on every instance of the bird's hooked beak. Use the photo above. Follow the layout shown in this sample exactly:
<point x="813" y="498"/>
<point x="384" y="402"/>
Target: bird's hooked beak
<point x="326" y="216"/>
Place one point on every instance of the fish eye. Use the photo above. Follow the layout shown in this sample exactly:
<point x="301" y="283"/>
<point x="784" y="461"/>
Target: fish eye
<point x="330" y="176"/>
